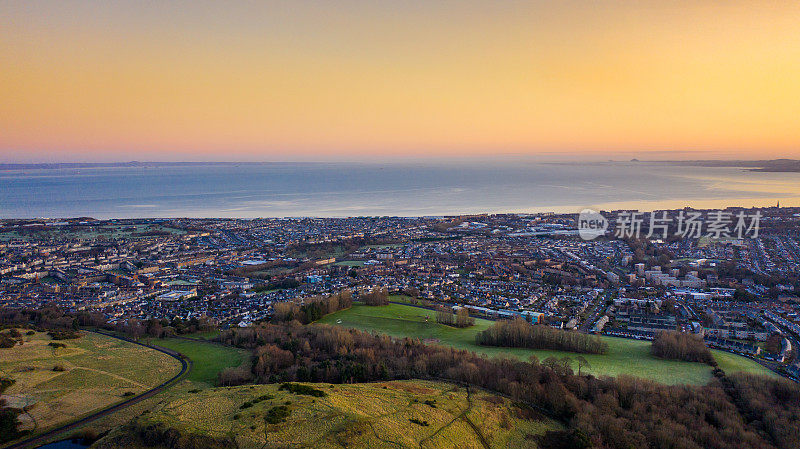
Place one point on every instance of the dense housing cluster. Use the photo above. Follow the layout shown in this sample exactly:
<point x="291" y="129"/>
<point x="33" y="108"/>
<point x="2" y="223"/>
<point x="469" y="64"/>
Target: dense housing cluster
<point x="738" y="295"/>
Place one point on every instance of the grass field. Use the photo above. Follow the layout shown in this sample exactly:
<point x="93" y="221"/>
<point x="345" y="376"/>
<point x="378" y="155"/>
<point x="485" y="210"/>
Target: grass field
<point x="204" y="335"/>
<point x="625" y="356"/>
<point x="350" y="263"/>
<point x="98" y="371"/>
<point x="208" y="358"/>
<point x="353" y="415"/>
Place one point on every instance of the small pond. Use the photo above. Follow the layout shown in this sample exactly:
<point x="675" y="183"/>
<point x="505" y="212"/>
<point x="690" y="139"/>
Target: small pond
<point x="64" y="444"/>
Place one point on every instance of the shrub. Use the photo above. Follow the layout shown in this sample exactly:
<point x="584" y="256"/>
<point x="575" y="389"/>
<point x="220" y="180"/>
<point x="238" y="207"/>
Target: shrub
<point x="302" y="389"/>
<point x="255" y="401"/>
<point x="6" y="341"/>
<point x="63" y="335"/>
<point x="5" y="382"/>
<point x="277" y="414"/>
<point x="8" y="424"/>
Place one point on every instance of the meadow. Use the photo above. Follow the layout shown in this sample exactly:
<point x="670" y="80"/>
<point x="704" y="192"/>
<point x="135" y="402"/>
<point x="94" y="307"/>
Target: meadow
<point x="350" y="263"/>
<point x="625" y="356"/>
<point x="98" y="371"/>
<point x="386" y="414"/>
<point x="208" y="358"/>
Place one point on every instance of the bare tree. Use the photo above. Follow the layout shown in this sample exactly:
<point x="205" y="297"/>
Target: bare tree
<point x="463" y="319"/>
<point x="582" y="363"/>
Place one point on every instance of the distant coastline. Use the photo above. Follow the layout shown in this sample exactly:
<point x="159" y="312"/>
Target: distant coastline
<point x="131" y="164"/>
<point x="773" y="165"/>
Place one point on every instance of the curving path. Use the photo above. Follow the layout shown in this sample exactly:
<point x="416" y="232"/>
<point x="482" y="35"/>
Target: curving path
<point x="186" y="366"/>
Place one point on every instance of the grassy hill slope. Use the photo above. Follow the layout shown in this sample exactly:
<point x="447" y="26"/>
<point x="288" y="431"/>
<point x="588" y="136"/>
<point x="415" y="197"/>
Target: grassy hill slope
<point x="388" y="414"/>
<point x="91" y="372"/>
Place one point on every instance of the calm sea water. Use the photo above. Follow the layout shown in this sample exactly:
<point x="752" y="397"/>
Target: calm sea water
<point x="349" y="189"/>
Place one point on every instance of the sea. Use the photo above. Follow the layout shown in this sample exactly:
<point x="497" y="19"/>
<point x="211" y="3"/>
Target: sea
<point x="305" y="189"/>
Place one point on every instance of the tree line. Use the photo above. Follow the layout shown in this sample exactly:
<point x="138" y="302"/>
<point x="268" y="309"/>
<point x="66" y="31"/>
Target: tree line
<point x="313" y="308"/>
<point x="681" y="346"/>
<point x="378" y="296"/>
<point x="280" y="284"/>
<point x="444" y="315"/>
<point x="61" y="324"/>
<point x="622" y="412"/>
<point x="518" y="333"/>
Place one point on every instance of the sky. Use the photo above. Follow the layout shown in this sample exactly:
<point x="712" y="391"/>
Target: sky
<point x="347" y="79"/>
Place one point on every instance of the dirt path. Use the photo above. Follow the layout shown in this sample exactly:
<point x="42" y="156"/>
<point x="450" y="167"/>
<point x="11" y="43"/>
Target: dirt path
<point x="115" y="376"/>
<point x="462" y="416"/>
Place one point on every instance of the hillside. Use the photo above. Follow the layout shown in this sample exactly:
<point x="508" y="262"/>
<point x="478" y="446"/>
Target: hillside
<point x="387" y="414"/>
<point x="59" y="384"/>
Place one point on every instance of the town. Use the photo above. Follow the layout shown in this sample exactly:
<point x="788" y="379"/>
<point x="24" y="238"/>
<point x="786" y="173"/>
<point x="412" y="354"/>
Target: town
<point x="740" y="294"/>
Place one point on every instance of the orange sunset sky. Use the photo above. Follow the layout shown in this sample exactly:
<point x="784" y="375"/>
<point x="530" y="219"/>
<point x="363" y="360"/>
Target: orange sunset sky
<point x="285" y="80"/>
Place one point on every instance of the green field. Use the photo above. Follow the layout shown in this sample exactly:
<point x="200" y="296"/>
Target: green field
<point x="350" y="263"/>
<point x="732" y="363"/>
<point x="625" y="356"/>
<point x="207" y="358"/>
<point x="98" y="371"/>
<point x="204" y="335"/>
<point x="349" y="415"/>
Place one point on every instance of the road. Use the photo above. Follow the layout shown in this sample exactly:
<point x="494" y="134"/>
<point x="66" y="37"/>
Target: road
<point x="186" y="367"/>
<point x="599" y="306"/>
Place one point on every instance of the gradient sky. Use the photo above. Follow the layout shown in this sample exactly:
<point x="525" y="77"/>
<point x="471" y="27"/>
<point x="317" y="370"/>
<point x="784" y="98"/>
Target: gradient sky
<point x="264" y="80"/>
